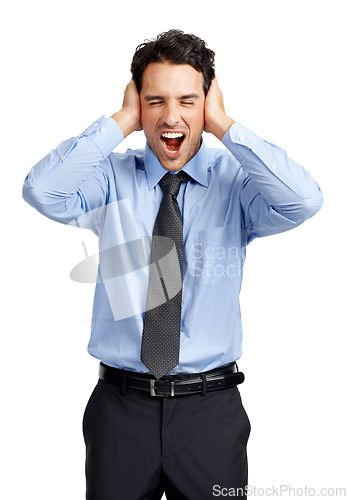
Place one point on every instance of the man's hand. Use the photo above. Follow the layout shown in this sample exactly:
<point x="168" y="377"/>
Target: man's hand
<point x="129" y="117"/>
<point x="216" y="120"/>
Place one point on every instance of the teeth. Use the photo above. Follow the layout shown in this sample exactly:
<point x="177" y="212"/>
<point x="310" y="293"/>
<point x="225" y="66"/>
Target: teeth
<point x="172" y="135"/>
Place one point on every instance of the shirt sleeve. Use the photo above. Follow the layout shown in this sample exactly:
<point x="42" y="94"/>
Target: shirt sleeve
<point x="277" y="193"/>
<point x="73" y="179"/>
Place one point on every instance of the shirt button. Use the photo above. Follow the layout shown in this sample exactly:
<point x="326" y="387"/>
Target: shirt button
<point x="274" y="166"/>
<point x="95" y="124"/>
<point x="242" y="138"/>
<point x="61" y="157"/>
<point x="102" y="130"/>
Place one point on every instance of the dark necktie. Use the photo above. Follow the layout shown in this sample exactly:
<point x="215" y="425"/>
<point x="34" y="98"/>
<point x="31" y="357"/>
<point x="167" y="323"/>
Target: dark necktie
<point x="162" y="324"/>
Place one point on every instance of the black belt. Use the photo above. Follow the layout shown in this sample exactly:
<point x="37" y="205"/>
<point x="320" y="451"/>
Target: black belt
<point x="173" y="385"/>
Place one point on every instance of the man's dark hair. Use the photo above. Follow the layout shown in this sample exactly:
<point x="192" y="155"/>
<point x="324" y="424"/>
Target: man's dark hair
<point x="174" y="47"/>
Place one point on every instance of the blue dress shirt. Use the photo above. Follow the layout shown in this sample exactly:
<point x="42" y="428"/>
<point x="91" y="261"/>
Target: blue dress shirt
<point x="250" y="190"/>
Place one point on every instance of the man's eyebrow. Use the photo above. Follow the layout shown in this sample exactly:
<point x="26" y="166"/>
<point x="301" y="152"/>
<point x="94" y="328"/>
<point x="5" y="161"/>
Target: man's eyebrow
<point x="153" y="98"/>
<point x="190" y="96"/>
<point x="161" y="98"/>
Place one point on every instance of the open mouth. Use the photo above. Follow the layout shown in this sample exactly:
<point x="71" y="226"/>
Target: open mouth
<point x="172" y="143"/>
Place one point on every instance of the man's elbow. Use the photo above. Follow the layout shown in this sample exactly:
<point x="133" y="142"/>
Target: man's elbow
<point x="30" y="195"/>
<point x="310" y="206"/>
<point x="35" y="197"/>
<point x="49" y="207"/>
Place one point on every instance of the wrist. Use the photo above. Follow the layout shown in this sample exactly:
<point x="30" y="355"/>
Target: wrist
<point x="125" y="122"/>
<point x="221" y="126"/>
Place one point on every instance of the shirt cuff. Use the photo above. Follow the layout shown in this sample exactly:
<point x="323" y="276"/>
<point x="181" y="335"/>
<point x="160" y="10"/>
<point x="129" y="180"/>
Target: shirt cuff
<point x="240" y="141"/>
<point x="105" y="133"/>
<point x="235" y="140"/>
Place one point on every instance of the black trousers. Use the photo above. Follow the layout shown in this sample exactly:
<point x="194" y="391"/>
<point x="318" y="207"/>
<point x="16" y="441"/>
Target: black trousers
<point x="139" y="446"/>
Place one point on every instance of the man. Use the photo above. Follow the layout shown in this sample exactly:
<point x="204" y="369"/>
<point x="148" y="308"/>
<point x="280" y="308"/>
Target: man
<point x="166" y="413"/>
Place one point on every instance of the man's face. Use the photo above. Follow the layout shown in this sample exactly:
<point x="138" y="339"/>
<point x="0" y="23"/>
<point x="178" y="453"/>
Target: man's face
<point x="172" y="102"/>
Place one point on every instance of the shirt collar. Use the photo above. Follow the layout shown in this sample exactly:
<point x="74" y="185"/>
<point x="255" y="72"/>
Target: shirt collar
<point x="196" y="167"/>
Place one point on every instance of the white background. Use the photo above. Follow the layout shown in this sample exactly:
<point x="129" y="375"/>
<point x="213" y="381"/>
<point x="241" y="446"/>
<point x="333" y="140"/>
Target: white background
<point x="281" y="67"/>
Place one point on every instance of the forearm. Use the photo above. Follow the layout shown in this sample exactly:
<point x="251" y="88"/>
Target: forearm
<point x="283" y="183"/>
<point x="71" y="179"/>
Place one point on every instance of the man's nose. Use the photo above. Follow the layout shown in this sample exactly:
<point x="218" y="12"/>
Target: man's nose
<point x="171" y="114"/>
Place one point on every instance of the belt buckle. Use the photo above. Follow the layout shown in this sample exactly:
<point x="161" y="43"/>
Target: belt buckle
<point x="153" y="393"/>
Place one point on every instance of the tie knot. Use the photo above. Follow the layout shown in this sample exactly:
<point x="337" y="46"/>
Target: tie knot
<point x="170" y="183"/>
